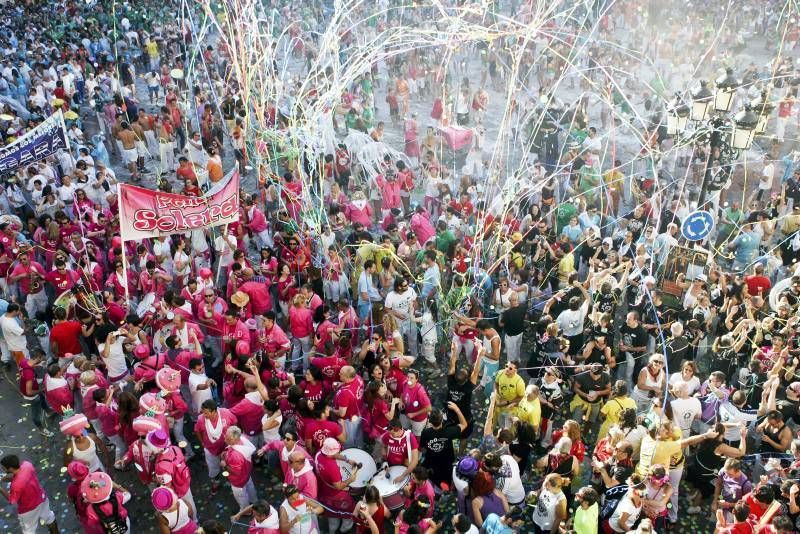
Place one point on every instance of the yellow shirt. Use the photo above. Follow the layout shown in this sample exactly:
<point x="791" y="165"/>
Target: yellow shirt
<point x="509" y="388"/>
<point x="530" y="411"/>
<point x="612" y="410"/>
<point x="152" y="48"/>
<point x="658" y="452"/>
<point x="565" y="267"/>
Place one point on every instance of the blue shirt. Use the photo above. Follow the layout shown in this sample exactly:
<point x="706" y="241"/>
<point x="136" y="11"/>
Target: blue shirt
<point x="493" y="525"/>
<point x="746" y="247"/>
<point x="430" y="281"/>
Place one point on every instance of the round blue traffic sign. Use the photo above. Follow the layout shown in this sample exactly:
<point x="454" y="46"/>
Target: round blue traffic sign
<point x="698" y="225"/>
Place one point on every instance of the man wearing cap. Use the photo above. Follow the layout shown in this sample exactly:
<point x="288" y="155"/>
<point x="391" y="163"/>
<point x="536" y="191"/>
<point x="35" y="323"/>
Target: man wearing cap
<point x="332" y="489"/>
<point x="237" y="460"/>
<point x="211" y="428"/>
<point x="33" y="506"/>
<point x="169" y="466"/>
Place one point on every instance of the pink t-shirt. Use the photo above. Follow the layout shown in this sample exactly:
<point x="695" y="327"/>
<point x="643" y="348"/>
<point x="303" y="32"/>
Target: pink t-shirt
<point x="397" y="449"/>
<point x="318" y="430"/>
<point x="249" y="412"/>
<point x="415" y="399"/>
<point x="275" y="339"/>
<point x="349" y="396"/>
<point x="25" y="491"/>
<point x="328" y="473"/>
<point x="301" y="322"/>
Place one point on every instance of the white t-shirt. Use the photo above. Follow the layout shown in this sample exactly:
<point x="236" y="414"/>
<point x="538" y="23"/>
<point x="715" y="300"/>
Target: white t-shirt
<point x="571" y="322"/>
<point x="273" y="433"/>
<point x="692" y="386"/>
<point x="115" y="363"/>
<point x="512" y="485"/>
<point x="728" y="413"/>
<point x="13" y="333"/>
<point x="199" y="396"/>
<point x="625" y="505"/>
<point x="684" y="411"/>
<point x="401" y="302"/>
<point x="767" y="173"/>
<point x="225" y="253"/>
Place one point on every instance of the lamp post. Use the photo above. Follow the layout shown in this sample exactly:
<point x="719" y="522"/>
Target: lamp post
<point x="713" y="126"/>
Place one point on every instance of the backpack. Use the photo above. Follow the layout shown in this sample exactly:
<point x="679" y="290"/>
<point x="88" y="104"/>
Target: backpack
<point x="181" y="476"/>
<point x="112" y="523"/>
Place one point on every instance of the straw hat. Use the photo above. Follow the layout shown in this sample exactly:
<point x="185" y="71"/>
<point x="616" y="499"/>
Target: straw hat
<point x="144" y="424"/>
<point x="163" y="498"/>
<point x="150" y="402"/>
<point x="240" y="299"/>
<point x="74" y="425"/>
<point x="168" y="379"/>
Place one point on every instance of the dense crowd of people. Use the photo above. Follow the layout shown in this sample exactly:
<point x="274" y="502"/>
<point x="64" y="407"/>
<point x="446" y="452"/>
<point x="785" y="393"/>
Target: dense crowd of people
<point x="388" y="338"/>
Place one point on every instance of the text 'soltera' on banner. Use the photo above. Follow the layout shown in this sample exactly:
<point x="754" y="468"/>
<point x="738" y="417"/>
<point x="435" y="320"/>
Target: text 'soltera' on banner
<point x="144" y="213"/>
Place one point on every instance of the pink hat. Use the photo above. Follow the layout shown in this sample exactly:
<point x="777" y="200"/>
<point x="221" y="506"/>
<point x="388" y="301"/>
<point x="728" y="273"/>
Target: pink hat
<point x="168" y="379"/>
<point x="163" y="498"/>
<point x="74" y="425"/>
<point x="158" y="439"/>
<point x="242" y="348"/>
<point x="205" y="272"/>
<point x="77" y="471"/>
<point x="96" y="487"/>
<point x="331" y="446"/>
<point x="150" y="402"/>
<point x="141" y="351"/>
<point x="144" y="424"/>
<point x="251" y="324"/>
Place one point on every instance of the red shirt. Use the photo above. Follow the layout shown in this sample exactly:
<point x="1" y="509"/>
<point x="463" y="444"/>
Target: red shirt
<point x="66" y="337"/>
<point x="27" y="376"/>
<point x="757" y="285"/>
<point x="397" y="449"/>
<point x="25" y="491"/>
<point x="62" y="281"/>
<point x="317" y="430"/>
<point x="349" y="396"/>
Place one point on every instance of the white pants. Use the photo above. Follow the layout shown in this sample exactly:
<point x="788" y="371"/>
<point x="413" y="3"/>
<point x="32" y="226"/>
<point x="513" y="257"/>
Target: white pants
<point x="675" y="475"/>
<point x="36" y="302"/>
<point x="429" y="352"/>
<point x="152" y="143"/>
<point x="120" y="447"/>
<point x="212" y="462"/>
<point x="513" y="346"/>
<point x="245" y="496"/>
<point x="29" y="521"/>
<point x="167" y="157"/>
<point x="190" y="499"/>
<point x="416" y="426"/>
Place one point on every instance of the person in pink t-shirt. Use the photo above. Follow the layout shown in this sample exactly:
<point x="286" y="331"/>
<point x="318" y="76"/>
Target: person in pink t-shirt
<point x="415" y="403"/>
<point x="321" y="428"/>
<point x="333" y="492"/>
<point x="347" y="403"/>
<point x="390" y="191"/>
<point x="250" y="410"/>
<point x="301" y="326"/>
<point x="27" y="494"/>
<point x="237" y="459"/>
<point x="400" y="447"/>
<point x="211" y="427"/>
<point x="273" y="340"/>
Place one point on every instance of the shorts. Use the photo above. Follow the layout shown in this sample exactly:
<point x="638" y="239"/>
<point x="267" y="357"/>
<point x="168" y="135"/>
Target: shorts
<point x="141" y="149"/>
<point x="29" y="521"/>
<point x="130" y="155"/>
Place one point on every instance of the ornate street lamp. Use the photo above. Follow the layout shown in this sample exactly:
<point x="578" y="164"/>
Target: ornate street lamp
<point x="677" y="117"/>
<point x="744" y="129"/>
<point x="701" y="103"/>
<point x="726" y="90"/>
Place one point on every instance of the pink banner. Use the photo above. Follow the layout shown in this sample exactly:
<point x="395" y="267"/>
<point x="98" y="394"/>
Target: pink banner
<point x="144" y="213"/>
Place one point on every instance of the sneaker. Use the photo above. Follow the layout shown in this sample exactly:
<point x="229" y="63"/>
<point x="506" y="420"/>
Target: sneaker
<point x="46" y="433"/>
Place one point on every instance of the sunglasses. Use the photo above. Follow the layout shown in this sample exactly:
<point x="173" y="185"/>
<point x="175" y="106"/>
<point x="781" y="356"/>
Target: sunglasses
<point x="288" y="438"/>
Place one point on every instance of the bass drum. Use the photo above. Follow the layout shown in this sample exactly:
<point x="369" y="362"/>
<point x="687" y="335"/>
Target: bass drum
<point x="775" y="292"/>
<point x="365" y="473"/>
<point x="67" y="301"/>
<point x="391" y="492"/>
<point x="160" y="337"/>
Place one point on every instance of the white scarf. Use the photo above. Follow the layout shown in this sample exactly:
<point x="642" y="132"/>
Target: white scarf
<point x="303" y="470"/>
<point x="245" y="448"/>
<point x="55" y="383"/>
<point x="215" y="432"/>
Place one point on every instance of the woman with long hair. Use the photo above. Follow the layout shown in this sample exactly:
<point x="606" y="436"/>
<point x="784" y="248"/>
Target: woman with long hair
<point x="370" y="513"/>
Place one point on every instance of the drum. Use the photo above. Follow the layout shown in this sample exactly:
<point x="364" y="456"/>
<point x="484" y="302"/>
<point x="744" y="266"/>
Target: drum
<point x="775" y="292"/>
<point x="66" y="300"/>
<point x="391" y="493"/>
<point x="146" y="305"/>
<point x="367" y="471"/>
<point x="161" y="336"/>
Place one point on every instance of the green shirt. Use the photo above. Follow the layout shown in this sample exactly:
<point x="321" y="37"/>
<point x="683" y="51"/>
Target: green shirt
<point x="444" y="240"/>
<point x="586" y="520"/>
